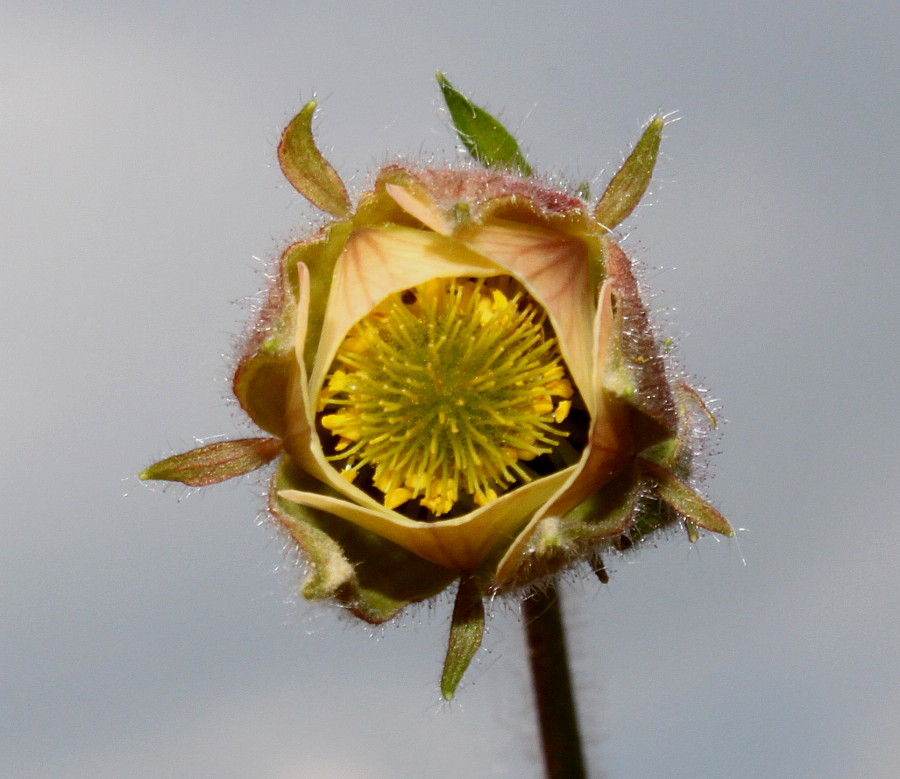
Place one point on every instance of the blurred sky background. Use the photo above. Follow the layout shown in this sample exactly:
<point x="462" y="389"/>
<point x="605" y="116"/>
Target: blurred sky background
<point x="152" y="632"/>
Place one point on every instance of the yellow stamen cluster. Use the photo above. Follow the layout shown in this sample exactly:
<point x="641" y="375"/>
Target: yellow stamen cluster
<point x="445" y="389"/>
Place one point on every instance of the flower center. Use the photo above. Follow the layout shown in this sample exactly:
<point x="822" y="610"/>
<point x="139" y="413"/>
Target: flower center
<point x="443" y="392"/>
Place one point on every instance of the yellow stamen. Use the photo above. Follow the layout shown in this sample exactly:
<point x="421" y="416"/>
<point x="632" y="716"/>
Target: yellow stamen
<point x="560" y="387"/>
<point x="397" y="497"/>
<point x="441" y="392"/>
<point x="562" y="410"/>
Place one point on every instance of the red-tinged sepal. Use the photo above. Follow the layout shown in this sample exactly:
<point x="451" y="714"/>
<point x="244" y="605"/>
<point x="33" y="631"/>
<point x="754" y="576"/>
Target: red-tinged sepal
<point x="636" y="371"/>
<point x="307" y="170"/>
<point x="630" y="183"/>
<point x="684" y="499"/>
<point x="216" y="462"/>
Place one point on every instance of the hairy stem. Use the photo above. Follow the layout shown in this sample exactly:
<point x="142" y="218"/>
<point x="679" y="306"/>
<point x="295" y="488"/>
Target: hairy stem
<point x="557" y="717"/>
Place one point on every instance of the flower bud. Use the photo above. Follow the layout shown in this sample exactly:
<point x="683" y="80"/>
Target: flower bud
<point x="462" y="383"/>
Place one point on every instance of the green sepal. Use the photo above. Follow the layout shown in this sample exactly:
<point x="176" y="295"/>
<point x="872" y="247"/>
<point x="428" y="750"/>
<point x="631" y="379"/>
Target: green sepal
<point x="466" y="632"/>
<point x="216" y="462"/>
<point x="267" y="366"/>
<point x="675" y="454"/>
<point x="608" y="513"/>
<point x="374" y="578"/>
<point x="630" y="183"/>
<point x="642" y="500"/>
<point x="596" y="523"/>
<point x="684" y="499"/>
<point x="307" y="170"/>
<point x="261" y="383"/>
<point x="623" y="512"/>
<point x="484" y="137"/>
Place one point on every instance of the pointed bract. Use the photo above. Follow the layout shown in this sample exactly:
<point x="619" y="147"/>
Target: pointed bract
<point x="305" y="167"/>
<point x="484" y="137"/>
<point x="630" y="183"/>
<point x="466" y="631"/>
<point x="216" y="462"/>
<point x="685" y="500"/>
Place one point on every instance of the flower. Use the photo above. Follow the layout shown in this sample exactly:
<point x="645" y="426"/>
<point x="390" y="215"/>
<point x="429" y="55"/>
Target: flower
<point x="461" y="383"/>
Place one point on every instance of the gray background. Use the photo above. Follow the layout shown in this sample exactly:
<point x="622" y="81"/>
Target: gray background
<point x="155" y="632"/>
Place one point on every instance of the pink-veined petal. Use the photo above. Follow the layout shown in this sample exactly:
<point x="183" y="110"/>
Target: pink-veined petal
<point x="554" y="267"/>
<point x="377" y="262"/>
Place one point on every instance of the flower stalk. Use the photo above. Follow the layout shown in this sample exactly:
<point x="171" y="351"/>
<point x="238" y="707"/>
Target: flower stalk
<point x="551" y="678"/>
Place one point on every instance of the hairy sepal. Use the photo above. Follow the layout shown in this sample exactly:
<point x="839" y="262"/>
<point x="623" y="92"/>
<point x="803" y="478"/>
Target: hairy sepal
<point x="307" y="170"/>
<point x="628" y="186"/>
<point x="216" y="462"/>
<point x="371" y="576"/>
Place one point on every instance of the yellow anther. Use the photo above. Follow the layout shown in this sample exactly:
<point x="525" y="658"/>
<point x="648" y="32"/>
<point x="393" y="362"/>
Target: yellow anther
<point x="561" y="387"/>
<point x="417" y="481"/>
<point x="562" y="410"/>
<point x="335" y="421"/>
<point x="542" y="405"/>
<point x="519" y="454"/>
<point x="356" y="343"/>
<point x="439" y="504"/>
<point x="396" y="497"/>
<point x="483" y="498"/>
<point x="383" y="480"/>
<point x="338" y="382"/>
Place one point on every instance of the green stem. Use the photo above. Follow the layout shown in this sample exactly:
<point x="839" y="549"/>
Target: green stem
<point x="552" y="682"/>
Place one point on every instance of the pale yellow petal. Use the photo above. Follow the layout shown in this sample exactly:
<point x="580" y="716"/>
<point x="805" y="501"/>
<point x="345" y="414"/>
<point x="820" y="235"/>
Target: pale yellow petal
<point x="554" y="268"/>
<point x="420" y="205"/>
<point x="378" y="261"/>
<point x="302" y="442"/>
<point x="461" y="543"/>
<point x="300" y="431"/>
<point x="609" y="446"/>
